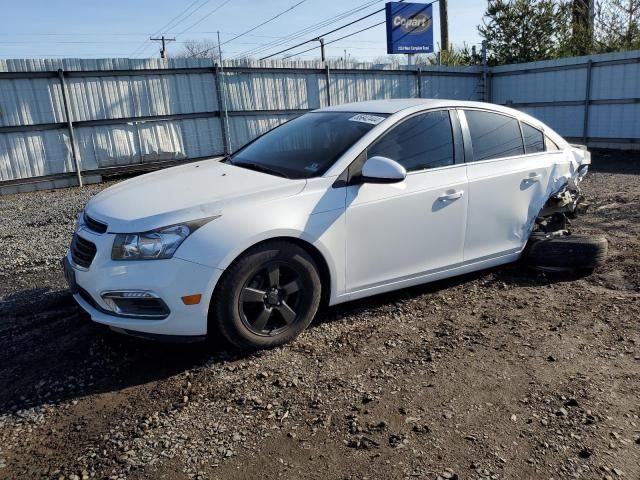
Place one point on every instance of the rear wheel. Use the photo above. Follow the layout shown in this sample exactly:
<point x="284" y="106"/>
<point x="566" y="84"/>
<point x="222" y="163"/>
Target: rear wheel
<point x="267" y="297"/>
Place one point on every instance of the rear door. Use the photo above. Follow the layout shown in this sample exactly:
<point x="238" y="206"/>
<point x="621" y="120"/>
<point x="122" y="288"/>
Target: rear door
<point x="507" y="185"/>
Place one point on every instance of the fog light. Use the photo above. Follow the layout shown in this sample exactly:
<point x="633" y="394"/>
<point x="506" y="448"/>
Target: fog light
<point x="136" y="304"/>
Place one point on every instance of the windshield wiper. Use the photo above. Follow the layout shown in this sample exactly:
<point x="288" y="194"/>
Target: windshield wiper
<point x="259" y="168"/>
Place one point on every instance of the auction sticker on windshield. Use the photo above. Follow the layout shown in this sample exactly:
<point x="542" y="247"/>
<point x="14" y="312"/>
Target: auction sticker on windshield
<point x="372" y="119"/>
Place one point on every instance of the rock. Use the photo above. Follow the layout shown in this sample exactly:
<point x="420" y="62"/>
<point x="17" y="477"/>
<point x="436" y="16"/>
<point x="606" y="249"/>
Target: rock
<point x="363" y="443"/>
<point x="397" y="441"/>
<point x="421" y="429"/>
<point x="585" y="453"/>
<point x="561" y="412"/>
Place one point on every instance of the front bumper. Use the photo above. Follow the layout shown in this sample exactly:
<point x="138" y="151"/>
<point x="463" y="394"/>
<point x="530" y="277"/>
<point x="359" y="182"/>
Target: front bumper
<point x="169" y="279"/>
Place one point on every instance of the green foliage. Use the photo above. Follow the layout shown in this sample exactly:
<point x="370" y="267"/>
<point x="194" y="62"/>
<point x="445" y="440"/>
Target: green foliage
<point x="529" y="30"/>
<point x="520" y="30"/>
<point x="457" y="57"/>
<point x="617" y="25"/>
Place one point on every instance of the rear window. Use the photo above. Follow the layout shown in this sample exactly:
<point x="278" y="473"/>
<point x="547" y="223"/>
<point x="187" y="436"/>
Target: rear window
<point x="551" y="145"/>
<point x="493" y="135"/>
<point x="533" y="139"/>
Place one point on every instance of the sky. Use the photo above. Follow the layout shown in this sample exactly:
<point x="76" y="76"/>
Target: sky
<point x="121" y="28"/>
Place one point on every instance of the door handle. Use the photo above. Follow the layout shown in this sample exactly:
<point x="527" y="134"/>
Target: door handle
<point x="533" y="177"/>
<point x="451" y="196"/>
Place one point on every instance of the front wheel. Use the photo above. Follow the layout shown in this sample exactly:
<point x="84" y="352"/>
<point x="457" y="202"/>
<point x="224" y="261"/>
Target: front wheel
<point x="267" y="297"/>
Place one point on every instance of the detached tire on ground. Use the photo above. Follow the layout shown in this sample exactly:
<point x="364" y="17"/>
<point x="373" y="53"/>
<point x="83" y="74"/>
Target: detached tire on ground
<point x="267" y="297"/>
<point x="579" y="253"/>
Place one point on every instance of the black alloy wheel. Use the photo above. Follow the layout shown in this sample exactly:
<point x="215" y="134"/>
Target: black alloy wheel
<point x="269" y="300"/>
<point x="266" y="297"/>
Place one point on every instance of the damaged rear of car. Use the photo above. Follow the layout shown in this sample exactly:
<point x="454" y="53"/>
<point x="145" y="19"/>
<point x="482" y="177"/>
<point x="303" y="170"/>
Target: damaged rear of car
<point x="552" y="246"/>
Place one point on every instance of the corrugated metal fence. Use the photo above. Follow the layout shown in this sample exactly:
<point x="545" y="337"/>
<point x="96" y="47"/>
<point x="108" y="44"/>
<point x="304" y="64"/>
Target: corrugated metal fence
<point x="114" y="114"/>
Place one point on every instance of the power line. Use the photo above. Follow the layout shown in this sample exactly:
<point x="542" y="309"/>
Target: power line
<point x="327" y="33"/>
<point x="145" y="42"/>
<point x="309" y="29"/>
<point x="172" y="23"/>
<point x="335" y="40"/>
<point x="252" y="29"/>
<point x="265" y="22"/>
<point x="205" y="17"/>
<point x="340" y="28"/>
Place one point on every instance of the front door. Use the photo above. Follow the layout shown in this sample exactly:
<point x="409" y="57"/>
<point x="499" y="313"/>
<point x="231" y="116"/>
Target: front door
<point x="401" y="230"/>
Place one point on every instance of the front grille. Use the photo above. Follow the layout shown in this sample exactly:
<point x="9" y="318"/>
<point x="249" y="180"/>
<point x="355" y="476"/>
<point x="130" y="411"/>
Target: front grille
<point x="94" y="225"/>
<point x="82" y="251"/>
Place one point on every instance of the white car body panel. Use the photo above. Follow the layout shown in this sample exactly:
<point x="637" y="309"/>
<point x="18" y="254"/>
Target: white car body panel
<point x="373" y="238"/>
<point x="405" y="229"/>
<point x="318" y="218"/>
<point x="187" y="192"/>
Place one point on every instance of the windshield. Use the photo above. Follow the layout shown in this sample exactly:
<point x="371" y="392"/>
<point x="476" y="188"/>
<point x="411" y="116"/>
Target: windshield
<point x="307" y="145"/>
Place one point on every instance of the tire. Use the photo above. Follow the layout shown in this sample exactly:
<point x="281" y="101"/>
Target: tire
<point x="578" y="253"/>
<point x="256" y="308"/>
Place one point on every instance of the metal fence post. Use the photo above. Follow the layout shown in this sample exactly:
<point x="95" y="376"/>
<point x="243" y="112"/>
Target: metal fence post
<point x="485" y="74"/>
<point x="328" y="81"/>
<point x="67" y="114"/>
<point x="587" y="101"/>
<point x="419" y="78"/>
<point x="222" y="108"/>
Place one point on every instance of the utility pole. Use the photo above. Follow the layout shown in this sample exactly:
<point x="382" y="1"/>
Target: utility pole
<point x="321" y="40"/>
<point x="222" y="85"/>
<point x="163" y="40"/>
<point x="444" y="25"/>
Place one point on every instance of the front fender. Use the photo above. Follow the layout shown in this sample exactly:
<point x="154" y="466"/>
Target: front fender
<point x="315" y="219"/>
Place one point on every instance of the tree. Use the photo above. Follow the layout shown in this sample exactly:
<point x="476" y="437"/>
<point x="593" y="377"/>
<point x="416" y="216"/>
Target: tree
<point x="199" y="49"/>
<point x="617" y="25"/>
<point x="520" y="30"/>
<point x="529" y="30"/>
<point x="457" y="57"/>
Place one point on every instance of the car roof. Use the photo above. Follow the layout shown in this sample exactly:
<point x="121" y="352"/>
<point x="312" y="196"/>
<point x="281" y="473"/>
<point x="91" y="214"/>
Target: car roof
<point x="396" y="105"/>
<point x="407" y="106"/>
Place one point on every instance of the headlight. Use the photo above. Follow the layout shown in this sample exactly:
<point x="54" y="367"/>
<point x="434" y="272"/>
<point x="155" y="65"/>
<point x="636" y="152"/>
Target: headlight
<point x="155" y="244"/>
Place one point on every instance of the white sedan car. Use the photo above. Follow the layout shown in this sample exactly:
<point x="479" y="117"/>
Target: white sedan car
<point x="337" y="204"/>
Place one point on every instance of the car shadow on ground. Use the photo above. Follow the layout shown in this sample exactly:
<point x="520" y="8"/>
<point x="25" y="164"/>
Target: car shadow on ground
<point x="51" y="352"/>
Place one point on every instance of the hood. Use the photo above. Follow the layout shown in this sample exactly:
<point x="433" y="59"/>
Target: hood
<point x="180" y="194"/>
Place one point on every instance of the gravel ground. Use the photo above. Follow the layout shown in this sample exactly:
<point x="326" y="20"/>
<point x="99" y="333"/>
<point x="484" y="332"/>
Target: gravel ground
<point x="505" y="373"/>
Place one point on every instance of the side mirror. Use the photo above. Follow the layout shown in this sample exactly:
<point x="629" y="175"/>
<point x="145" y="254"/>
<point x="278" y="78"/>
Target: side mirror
<point x="382" y="170"/>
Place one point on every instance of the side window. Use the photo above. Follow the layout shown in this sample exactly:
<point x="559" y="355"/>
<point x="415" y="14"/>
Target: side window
<point x="533" y="139"/>
<point x="493" y="135"/>
<point x="551" y="145"/>
<point x="423" y="141"/>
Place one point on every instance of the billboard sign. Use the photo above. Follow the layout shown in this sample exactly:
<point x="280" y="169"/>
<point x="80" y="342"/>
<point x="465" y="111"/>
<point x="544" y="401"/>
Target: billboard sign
<point x="409" y="28"/>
